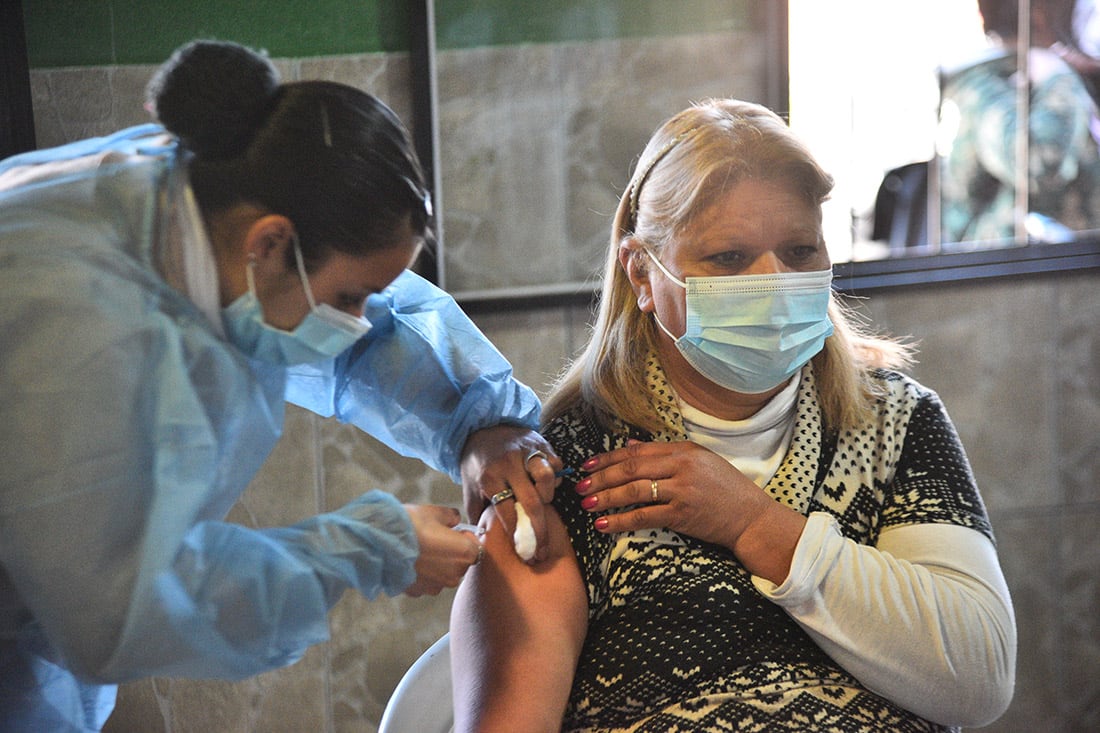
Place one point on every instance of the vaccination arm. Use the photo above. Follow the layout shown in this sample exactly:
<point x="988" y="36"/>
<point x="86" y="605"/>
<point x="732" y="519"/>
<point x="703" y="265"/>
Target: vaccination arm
<point x="516" y="635"/>
<point x="427" y="383"/>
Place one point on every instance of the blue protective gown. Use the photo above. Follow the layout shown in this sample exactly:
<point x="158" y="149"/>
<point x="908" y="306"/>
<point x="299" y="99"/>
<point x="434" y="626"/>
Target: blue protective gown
<point x="129" y="426"/>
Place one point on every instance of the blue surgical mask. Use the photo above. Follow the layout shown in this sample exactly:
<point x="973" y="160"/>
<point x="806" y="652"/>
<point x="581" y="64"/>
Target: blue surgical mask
<point x="322" y="334"/>
<point x="752" y="333"/>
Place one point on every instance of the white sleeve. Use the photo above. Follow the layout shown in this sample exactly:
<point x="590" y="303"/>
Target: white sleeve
<point x="924" y="618"/>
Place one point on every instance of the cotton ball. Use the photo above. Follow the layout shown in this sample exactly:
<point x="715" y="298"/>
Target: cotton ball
<point x="524" y="536"/>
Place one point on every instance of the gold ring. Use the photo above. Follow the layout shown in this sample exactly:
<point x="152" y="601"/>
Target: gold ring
<point x="653" y="488"/>
<point x="502" y="496"/>
<point x="531" y="455"/>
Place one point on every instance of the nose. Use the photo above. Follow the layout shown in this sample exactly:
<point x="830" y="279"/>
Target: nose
<point x="766" y="263"/>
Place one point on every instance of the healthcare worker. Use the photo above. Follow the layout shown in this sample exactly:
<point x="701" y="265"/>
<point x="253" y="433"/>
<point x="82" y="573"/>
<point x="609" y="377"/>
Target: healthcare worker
<point x="163" y="291"/>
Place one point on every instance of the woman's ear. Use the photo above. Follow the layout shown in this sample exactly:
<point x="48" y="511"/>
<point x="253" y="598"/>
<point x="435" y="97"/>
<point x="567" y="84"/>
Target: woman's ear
<point x="635" y="263"/>
<point x="269" y="240"/>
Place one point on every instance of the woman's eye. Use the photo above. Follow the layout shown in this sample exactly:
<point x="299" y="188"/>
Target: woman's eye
<point x="728" y="259"/>
<point x="803" y="253"/>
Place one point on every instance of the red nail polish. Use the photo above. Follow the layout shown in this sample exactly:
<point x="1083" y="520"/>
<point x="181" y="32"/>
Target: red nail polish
<point x="583" y="485"/>
<point x="590" y="501"/>
<point x="589" y="464"/>
<point x="601" y="523"/>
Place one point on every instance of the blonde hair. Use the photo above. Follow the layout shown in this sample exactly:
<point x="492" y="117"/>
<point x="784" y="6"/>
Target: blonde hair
<point x="691" y="160"/>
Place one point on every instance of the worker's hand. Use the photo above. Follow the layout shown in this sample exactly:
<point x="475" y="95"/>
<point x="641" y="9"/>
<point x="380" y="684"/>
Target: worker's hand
<point x="507" y="458"/>
<point x="445" y="554"/>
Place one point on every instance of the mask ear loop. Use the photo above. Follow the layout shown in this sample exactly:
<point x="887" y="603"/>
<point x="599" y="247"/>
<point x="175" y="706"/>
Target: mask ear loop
<point x="670" y="276"/>
<point x="302" y="273"/>
<point x="358" y="324"/>
<point x="662" y="268"/>
<point x="250" y="275"/>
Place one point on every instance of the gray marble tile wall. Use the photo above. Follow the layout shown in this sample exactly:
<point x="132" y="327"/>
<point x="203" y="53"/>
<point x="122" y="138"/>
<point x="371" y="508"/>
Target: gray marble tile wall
<point x="1016" y="363"/>
<point x="538" y="144"/>
<point x="78" y="102"/>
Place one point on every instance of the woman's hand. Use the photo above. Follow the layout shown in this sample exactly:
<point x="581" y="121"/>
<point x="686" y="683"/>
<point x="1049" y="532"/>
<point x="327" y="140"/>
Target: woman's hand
<point x="503" y="458"/>
<point x="696" y="492"/>
<point x="445" y="554"/>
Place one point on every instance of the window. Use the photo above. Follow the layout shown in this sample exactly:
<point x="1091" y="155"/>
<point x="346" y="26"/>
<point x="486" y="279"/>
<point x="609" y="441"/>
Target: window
<point x="888" y="96"/>
<point x="864" y="95"/>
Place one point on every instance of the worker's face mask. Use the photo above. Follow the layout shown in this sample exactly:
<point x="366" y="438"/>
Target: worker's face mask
<point x="752" y="333"/>
<point x="324" y="333"/>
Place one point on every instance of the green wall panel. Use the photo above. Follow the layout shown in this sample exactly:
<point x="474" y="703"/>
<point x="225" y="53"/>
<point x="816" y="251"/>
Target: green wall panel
<point x="97" y="32"/>
<point x="101" y="32"/>
<point x="467" y="23"/>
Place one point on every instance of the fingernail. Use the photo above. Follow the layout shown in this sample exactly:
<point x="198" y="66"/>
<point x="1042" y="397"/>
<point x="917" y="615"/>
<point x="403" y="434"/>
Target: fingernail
<point x="590" y="464"/>
<point x="583" y="485"/>
<point x="601" y="523"/>
<point x="589" y="502"/>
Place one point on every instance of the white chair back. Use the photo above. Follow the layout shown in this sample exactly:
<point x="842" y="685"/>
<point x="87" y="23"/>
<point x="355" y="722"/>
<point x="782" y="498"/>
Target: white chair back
<point x="421" y="702"/>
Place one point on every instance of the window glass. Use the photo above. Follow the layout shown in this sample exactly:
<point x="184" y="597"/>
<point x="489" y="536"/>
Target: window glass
<point x="913" y="107"/>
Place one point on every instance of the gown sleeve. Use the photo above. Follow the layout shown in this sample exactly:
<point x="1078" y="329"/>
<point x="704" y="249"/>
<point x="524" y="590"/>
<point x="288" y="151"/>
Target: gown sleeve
<point x="237" y="601"/>
<point x="421" y="381"/>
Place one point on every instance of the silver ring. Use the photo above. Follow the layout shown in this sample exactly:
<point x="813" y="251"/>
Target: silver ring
<point x="653" y="489"/>
<point x="531" y="455"/>
<point x="502" y="496"/>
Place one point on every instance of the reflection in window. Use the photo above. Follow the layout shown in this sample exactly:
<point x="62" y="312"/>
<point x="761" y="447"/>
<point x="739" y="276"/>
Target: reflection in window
<point x="987" y="192"/>
<point x="866" y="81"/>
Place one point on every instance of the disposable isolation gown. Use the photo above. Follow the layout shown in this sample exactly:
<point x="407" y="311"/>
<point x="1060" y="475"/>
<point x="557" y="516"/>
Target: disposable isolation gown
<point x="129" y="426"/>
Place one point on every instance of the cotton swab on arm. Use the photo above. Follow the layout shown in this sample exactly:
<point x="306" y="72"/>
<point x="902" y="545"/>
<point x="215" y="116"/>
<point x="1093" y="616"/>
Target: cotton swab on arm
<point x="524" y="536"/>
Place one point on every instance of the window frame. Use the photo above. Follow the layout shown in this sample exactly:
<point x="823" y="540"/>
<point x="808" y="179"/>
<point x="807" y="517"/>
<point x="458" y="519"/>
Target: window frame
<point x="979" y="264"/>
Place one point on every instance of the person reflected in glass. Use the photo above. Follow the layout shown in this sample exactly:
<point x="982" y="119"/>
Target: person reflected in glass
<point x="768" y="525"/>
<point x="978" y="138"/>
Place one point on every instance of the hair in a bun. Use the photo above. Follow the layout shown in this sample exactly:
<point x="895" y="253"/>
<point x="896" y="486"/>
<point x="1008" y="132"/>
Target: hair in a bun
<point x="333" y="159"/>
<point x="213" y="95"/>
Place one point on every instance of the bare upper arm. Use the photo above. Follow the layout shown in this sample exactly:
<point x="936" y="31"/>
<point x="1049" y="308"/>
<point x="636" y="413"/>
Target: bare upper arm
<point x="516" y="634"/>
